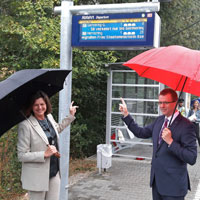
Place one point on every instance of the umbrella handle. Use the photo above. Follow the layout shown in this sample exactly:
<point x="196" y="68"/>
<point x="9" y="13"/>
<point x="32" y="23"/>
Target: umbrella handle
<point x="177" y="101"/>
<point x="57" y="154"/>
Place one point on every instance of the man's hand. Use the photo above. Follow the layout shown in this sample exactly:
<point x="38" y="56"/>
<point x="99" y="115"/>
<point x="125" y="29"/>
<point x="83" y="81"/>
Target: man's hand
<point x="123" y="107"/>
<point x="167" y="136"/>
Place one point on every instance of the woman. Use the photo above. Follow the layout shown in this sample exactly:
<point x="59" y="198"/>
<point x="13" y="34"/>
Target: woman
<point x="38" y="145"/>
<point x="194" y="116"/>
<point x="180" y="107"/>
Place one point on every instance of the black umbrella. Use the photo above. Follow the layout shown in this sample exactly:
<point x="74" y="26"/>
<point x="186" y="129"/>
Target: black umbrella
<point x="15" y="91"/>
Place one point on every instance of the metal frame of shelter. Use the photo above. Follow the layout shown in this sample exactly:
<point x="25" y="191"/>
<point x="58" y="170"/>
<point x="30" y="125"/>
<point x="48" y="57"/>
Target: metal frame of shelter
<point x="141" y="96"/>
<point x="67" y="9"/>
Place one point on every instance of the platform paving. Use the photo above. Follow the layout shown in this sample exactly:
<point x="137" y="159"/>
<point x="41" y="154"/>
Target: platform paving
<point x="127" y="179"/>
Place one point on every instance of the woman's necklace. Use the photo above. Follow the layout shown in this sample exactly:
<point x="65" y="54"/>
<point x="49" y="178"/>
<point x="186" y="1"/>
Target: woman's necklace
<point x="44" y="124"/>
<point x="46" y="128"/>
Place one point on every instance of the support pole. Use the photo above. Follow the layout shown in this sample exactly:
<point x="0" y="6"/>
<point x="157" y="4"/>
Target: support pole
<point x="65" y="94"/>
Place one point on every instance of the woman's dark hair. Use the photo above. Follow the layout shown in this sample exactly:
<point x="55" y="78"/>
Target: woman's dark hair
<point x="194" y="103"/>
<point x="171" y="92"/>
<point x="33" y="98"/>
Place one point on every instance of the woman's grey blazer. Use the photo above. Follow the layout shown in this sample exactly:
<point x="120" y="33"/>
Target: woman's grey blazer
<point x="32" y="143"/>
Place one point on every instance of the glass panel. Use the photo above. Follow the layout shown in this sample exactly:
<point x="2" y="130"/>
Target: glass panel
<point x="116" y="120"/>
<point x="145" y="107"/>
<point x="144" y="120"/>
<point x="113" y="132"/>
<point x="115" y="105"/>
<point x="140" y="120"/>
<point x="142" y="80"/>
<point x="135" y="92"/>
<point x="148" y="107"/>
<point x="127" y="136"/>
<point x="130" y="78"/>
<point x="118" y="77"/>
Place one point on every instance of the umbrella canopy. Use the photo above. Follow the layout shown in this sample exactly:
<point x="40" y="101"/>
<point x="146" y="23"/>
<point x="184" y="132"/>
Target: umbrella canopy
<point x="15" y="91"/>
<point x="173" y="66"/>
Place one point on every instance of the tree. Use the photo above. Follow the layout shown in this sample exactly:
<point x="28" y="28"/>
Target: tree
<point x="180" y="23"/>
<point x="29" y="35"/>
<point x="91" y="2"/>
<point x="89" y="91"/>
<point x="30" y="38"/>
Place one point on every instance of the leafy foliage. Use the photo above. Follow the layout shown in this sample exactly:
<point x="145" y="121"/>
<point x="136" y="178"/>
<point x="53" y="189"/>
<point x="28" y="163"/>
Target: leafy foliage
<point x="29" y="35"/>
<point x="10" y="167"/>
<point x="89" y="92"/>
<point x="88" y="2"/>
<point x="29" y="38"/>
<point x="174" y="29"/>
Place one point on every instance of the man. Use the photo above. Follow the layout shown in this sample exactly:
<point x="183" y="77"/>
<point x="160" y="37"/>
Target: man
<point x="181" y="108"/>
<point x="173" y="148"/>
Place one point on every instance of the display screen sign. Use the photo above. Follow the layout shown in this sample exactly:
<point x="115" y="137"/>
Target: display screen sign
<point x="114" y="31"/>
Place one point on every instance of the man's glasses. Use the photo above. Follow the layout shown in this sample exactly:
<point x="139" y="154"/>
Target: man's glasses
<point x="165" y="102"/>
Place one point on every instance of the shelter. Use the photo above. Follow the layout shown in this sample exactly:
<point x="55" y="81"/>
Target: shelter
<point x="141" y="96"/>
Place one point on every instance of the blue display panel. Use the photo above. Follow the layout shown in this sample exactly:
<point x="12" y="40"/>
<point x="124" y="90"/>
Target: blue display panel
<point x="113" y="31"/>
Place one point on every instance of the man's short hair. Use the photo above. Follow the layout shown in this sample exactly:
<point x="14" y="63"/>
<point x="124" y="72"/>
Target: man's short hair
<point x="171" y="92"/>
<point x="181" y="100"/>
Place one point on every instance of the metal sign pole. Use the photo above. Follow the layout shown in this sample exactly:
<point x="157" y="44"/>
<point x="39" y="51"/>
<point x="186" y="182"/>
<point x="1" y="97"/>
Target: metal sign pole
<point x="65" y="94"/>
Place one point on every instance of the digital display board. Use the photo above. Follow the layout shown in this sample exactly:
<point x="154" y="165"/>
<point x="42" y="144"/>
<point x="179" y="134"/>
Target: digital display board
<point x="115" y="31"/>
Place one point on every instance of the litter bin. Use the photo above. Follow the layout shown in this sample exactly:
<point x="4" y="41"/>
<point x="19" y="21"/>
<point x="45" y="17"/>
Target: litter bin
<point x="104" y="156"/>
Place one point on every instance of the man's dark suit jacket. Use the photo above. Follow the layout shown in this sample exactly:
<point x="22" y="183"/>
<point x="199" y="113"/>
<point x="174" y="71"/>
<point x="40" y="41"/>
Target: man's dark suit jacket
<point x="169" y="163"/>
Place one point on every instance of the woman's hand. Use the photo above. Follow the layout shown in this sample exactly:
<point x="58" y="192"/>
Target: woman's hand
<point x="51" y="150"/>
<point x="72" y="109"/>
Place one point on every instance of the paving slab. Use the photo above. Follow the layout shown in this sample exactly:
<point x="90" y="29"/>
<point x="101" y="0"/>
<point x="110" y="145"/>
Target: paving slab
<point x="127" y="179"/>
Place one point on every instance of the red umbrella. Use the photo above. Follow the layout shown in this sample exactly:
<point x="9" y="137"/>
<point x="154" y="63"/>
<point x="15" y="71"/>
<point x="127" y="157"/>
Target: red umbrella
<point x="172" y="66"/>
<point x="175" y="66"/>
